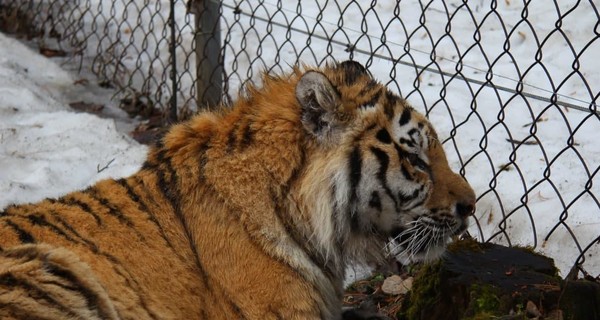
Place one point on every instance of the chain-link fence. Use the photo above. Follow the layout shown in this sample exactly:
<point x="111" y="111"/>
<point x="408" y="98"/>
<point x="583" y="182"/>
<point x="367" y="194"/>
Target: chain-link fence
<point x="512" y="86"/>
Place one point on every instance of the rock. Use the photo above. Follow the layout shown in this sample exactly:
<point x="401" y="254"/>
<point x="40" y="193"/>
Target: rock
<point x="532" y="310"/>
<point x="395" y="285"/>
<point x="484" y="281"/>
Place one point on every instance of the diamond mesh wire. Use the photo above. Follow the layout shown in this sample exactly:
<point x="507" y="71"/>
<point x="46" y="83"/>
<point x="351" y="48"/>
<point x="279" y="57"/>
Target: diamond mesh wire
<point x="511" y="86"/>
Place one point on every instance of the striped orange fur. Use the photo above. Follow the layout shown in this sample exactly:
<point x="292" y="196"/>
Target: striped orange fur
<point x="250" y="212"/>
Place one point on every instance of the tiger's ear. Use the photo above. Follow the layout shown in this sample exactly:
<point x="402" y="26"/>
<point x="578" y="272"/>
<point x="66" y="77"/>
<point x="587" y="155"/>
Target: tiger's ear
<point x="319" y="103"/>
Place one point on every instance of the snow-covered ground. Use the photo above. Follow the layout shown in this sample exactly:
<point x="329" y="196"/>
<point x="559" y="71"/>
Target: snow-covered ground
<point x="46" y="150"/>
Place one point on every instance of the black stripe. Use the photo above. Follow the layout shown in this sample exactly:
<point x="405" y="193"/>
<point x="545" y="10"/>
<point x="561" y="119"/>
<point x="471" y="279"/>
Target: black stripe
<point x="34" y="292"/>
<point x="245" y="131"/>
<point x="112" y="209"/>
<point x="132" y="195"/>
<point x="61" y="285"/>
<point x="144" y="208"/>
<point x="403" y="155"/>
<point x="83" y="206"/>
<point x="40" y="220"/>
<point x="247" y="136"/>
<point x="151" y="163"/>
<point x="236" y="309"/>
<point x="407" y="142"/>
<point x="231" y="138"/>
<point x="116" y="265"/>
<point x="91" y="245"/>
<point x="169" y="188"/>
<point x="405" y="117"/>
<point x="416" y="194"/>
<point x="352" y="71"/>
<point x="407" y="175"/>
<point x="375" y="201"/>
<point x="384" y="162"/>
<point x="148" y="165"/>
<point x="390" y="102"/>
<point x="90" y="296"/>
<point x="412" y="133"/>
<point x="371" y="84"/>
<point x="384" y="136"/>
<point x="16" y="311"/>
<point x="405" y="198"/>
<point x="24" y="236"/>
<point x="24" y="255"/>
<point x="202" y="160"/>
<point x="170" y="191"/>
<point x="373" y="100"/>
<point x="355" y="162"/>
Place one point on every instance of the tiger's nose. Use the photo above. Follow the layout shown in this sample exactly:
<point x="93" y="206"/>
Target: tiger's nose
<point x="465" y="209"/>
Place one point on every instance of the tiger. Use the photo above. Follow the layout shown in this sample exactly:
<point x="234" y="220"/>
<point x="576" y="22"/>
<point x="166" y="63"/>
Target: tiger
<point x="254" y="210"/>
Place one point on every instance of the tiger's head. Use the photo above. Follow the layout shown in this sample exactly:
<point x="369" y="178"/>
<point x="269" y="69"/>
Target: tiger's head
<point x="381" y="167"/>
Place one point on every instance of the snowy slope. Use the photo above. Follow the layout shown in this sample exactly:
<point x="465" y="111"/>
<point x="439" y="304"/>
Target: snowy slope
<point x="46" y="149"/>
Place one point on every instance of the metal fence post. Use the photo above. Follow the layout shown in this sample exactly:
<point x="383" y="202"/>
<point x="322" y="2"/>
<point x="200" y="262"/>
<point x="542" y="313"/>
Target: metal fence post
<point x="172" y="114"/>
<point x="209" y="65"/>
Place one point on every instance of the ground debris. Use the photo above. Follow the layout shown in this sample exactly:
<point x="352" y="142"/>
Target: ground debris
<point x="395" y="285"/>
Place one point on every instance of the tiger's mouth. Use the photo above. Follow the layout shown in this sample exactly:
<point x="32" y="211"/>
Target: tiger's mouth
<point x="424" y="239"/>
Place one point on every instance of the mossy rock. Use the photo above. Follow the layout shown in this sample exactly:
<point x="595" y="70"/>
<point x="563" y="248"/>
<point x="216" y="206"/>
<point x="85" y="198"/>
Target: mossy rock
<point x="488" y="281"/>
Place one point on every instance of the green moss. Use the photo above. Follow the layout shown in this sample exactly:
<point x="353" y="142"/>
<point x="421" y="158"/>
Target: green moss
<point x="484" y="301"/>
<point x="487" y="302"/>
<point x="468" y="244"/>
<point x="425" y="293"/>
<point x="378" y="277"/>
<point x="368" y="285"/>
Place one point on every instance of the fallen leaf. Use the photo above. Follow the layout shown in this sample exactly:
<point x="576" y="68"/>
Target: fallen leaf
<point x="395" y="285"/>
<point x="50" y="53"/>
<point x="87" y="107"/>
<point x="81" y="81"/>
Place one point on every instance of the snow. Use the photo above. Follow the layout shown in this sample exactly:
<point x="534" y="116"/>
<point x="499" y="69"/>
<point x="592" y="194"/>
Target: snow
<point x="46" y="149"/>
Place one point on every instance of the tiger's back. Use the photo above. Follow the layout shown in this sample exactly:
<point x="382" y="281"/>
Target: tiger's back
<point x="113" y="240"/>
<point x="252" y="212"/>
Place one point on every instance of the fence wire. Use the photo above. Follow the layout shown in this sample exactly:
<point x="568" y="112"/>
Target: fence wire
<point x="512" y="86"/>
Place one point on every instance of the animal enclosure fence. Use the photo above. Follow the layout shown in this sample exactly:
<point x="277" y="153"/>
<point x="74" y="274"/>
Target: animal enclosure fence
<point x="512" y="86"/>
